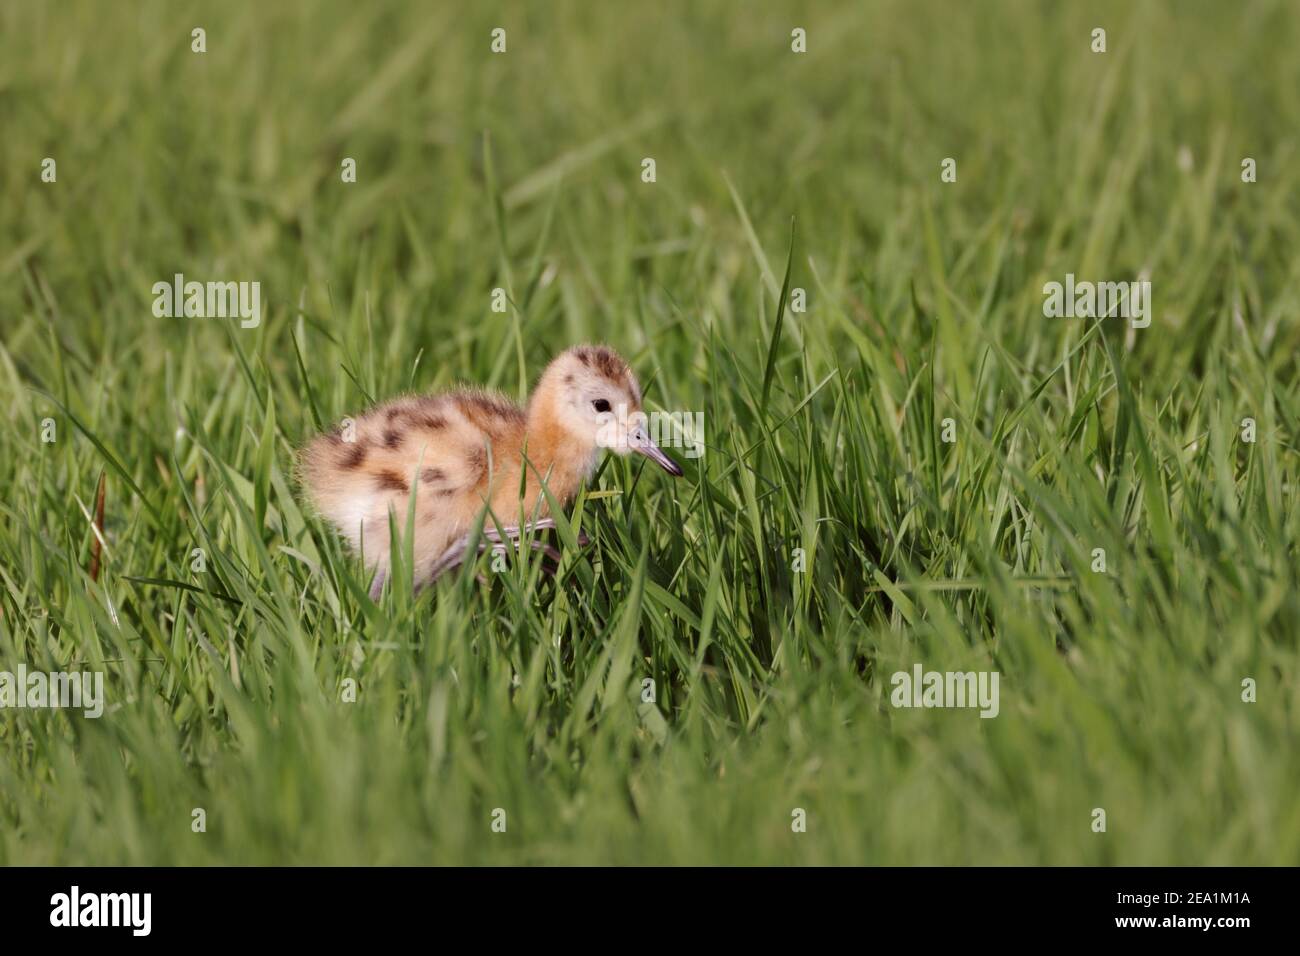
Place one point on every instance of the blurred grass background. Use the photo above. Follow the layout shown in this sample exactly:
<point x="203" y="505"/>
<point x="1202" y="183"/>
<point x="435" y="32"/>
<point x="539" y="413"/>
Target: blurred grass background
<point x="225" y="688"/>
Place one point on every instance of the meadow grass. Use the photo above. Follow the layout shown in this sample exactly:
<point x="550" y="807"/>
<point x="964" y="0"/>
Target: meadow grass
<point x="226" y="688"/>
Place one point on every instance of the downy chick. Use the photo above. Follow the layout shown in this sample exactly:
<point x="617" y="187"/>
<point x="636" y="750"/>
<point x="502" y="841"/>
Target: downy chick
<point x="461" y="450"/>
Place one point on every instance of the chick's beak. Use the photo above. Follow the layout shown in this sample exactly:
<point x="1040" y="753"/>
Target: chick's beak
<point x="640" y="442"/>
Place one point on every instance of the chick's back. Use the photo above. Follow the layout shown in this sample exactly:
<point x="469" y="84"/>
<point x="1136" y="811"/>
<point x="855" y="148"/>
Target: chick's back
<point x="452" y="450"/>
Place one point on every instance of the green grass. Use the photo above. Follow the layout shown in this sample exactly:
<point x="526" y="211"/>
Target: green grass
<point x="225" y="688"/>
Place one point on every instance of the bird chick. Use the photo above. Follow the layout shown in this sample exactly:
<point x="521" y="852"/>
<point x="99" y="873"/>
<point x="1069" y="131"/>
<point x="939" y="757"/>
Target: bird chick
<point x="467" y="449"/>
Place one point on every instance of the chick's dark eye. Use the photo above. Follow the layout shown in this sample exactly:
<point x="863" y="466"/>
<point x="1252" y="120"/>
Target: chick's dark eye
<point x="600" y="405"/>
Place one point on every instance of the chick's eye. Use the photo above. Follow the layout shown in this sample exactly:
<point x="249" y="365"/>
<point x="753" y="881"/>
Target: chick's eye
<point x="600" y="405"/>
